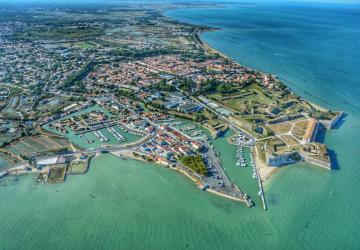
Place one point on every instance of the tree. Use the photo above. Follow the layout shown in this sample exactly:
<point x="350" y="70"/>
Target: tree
<point x="195" y="163"/>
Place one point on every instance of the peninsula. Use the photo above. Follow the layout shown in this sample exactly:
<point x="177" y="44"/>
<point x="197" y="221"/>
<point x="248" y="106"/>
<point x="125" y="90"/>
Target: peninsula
<point x="132" y="82"/>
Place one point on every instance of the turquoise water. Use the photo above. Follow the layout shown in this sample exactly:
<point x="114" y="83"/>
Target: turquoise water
<point x="313" y="47"/>
<point x="3" y="164"/>
<point x="129" y="205"/>
<point x="242" y="177"/>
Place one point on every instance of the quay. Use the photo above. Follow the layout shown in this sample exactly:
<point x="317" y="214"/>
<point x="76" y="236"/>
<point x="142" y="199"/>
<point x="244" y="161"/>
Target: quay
<point x="261" y="189"/>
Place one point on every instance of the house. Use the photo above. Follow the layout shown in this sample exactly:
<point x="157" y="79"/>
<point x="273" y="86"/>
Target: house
<point x="43" y="163"/>
<point x="138" y="124"/>
<point x="150" y="129"/>
<point x="115" y="106"/>
<point x="70" y="107"/>
<point x="62" y="160"/>
<point x="184" y="150"/>
<point x="159" y="141"/>
<point x="162" y="161"/>
<point x="197" y="145"/>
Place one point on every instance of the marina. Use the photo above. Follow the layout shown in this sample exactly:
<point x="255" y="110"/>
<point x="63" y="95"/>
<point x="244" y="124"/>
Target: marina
<point x="239" y="140"/>
<point x="119" y="137"/>
<point x="108" y="131"/>
<point x="135" y="203"/>
<point x="101" y="136"/>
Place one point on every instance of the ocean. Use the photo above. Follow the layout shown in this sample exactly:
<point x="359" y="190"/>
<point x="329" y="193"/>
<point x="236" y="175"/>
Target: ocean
<point x="125" y="204"/>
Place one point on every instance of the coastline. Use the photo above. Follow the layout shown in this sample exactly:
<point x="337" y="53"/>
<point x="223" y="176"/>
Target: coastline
<point x="206" y="46"/>
<point x="211" y="49"/>
<point x="123" y="202"/>
<point x="265" y="172"/>
<point x="128" y="154"/>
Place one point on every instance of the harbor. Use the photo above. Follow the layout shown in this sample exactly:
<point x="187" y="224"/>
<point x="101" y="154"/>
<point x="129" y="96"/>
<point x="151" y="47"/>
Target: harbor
<point x="240" y="155"/>
<point x="239" y="140"/>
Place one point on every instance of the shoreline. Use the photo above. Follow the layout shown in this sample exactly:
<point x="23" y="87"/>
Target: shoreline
<point x="269" y="172"/>
<point x="213" y="50"/>
<point x="128" y="154"/>
<point x="20" y="169"/>
<point x="210" y="48"/>
<point x="266" y="170"/>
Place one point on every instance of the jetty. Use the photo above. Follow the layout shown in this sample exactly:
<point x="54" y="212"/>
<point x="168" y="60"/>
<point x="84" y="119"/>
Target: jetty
<point x="261" y="189"/>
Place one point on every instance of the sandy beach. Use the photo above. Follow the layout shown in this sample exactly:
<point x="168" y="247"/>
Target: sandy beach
<point x="265" y="171"/>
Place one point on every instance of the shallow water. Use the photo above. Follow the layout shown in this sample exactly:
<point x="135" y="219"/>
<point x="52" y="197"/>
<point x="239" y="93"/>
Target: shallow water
<point x="130" y="205"/>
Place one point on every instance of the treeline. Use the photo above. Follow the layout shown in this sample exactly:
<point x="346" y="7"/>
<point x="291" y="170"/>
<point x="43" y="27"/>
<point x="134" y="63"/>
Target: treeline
<point x="79" y="75"/>
<point x="128" y="94"/>
<point x="212" y="85"/>
<point x="51" y="32"/>
<point x="154" y="106"/>
<point x="186" y="85"/>
<point x="141" y="53"/>
<point x="208" y="86"/>
<point x="199" y="55"/>
<point x="163" y="86"/>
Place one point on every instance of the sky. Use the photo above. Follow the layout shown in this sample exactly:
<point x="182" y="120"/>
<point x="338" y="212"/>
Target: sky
<point x="169" y="1"/>
<point x="144" y="1"/>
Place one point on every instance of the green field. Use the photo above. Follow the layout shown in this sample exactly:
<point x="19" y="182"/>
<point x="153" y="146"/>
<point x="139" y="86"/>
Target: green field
<point x="195" y="163"/>
<point x="57" y="173"/>
<point x="78" y="167"/>
<point x="84" y="45"/>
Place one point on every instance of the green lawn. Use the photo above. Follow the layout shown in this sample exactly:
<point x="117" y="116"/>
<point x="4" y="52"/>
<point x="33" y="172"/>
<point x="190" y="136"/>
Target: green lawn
<point x="78" y="167"/>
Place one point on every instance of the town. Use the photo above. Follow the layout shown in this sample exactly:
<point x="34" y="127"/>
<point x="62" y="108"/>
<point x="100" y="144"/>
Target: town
<point x="150" y="90"/>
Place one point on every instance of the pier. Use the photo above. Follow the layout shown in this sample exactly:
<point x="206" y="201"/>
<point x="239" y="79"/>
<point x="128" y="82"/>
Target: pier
<point x="261" y="189"/>
<point x="239" y="140"/>
<point x="96" y="127"/>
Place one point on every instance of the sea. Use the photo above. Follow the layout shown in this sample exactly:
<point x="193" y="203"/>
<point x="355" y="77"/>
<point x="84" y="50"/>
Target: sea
<point x="126" y="204"/>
